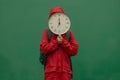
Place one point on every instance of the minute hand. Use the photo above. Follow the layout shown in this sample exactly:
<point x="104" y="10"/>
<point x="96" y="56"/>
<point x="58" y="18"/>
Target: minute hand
<point x="59" y="22"/>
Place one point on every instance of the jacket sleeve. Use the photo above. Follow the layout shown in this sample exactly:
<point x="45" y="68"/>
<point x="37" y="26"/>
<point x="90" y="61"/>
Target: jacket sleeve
<point x="46" y="45"/>
<point x="71" y="46"/>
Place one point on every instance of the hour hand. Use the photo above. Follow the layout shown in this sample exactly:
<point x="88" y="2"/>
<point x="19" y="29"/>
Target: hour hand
<point x="58" y="22"/>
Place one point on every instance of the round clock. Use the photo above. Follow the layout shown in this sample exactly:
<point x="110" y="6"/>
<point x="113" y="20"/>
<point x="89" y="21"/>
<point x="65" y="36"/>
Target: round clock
<point x="59" y="23"/>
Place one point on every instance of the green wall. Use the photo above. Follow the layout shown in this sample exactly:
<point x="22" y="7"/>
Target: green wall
<point x="95" y="23"/>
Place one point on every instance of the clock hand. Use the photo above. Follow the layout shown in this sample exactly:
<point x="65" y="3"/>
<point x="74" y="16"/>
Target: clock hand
<point x="59" y="22"/>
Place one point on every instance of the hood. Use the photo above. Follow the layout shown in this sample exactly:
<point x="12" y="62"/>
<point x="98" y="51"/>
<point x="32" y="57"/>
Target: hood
<point x="56" y="10"/>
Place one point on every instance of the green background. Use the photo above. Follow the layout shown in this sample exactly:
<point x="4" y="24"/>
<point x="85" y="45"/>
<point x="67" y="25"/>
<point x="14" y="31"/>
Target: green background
<point x="95" y="24"/>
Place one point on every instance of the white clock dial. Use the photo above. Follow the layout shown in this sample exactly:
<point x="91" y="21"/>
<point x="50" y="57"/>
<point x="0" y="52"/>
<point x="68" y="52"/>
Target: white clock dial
<point x="59" y="23"/>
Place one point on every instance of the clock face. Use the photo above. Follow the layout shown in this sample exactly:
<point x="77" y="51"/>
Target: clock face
<point x="59" y="23"/>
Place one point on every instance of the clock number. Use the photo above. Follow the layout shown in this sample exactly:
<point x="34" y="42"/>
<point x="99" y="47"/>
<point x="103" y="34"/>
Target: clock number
<point x="59" y="31"/>
<point x="59" y="15"/>
<point x="66" y="26"/>
<point x="55" y="30"/>
<point x="67" y="22"/>
<point x="51" y="27"/>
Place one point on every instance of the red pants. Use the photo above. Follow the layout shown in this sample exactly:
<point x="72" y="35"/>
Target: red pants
<point x="57" y="76"/>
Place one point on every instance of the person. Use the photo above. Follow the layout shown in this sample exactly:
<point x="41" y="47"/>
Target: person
<point x="59" y="50"/>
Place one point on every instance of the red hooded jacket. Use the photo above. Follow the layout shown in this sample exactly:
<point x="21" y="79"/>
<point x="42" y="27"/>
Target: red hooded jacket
<point x="58" y="54"/>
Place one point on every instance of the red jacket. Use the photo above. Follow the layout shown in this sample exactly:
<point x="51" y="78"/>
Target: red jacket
<point x="58" y="59"/>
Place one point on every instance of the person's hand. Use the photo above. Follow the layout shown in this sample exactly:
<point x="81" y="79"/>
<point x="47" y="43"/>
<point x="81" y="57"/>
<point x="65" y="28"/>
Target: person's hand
<point x="59" y="38"/>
